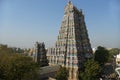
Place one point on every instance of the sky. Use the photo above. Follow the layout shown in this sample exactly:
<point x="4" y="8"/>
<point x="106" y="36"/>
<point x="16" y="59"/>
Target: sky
<point x="23" y="22"/>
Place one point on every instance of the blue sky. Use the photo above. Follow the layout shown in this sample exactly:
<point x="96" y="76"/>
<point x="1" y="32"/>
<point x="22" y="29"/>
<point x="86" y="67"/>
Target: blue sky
<point x="23" y="22"/>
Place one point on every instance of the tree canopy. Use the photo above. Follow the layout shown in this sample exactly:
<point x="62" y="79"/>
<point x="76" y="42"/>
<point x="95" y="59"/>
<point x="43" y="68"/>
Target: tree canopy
<point x="113" y="52"/>
<point x="62" y="74"/>
<point x="92" y="70"/>
<point x="17" y="67"/>
<point x="101" y="55"/>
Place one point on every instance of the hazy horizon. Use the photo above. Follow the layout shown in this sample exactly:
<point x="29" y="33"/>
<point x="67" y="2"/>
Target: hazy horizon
<point x="23" y="22"/>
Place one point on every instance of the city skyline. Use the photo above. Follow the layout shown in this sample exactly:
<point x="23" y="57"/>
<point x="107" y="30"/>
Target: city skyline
<point x="24" y="22"/>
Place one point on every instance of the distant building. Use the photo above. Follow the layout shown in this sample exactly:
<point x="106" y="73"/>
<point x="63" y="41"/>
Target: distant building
<point x="118" y="60"/>
<point x="94" y="49"/>
<point x="72" y="47"/>
<point x="40" y="54"/>
<point x="31" y="52"/>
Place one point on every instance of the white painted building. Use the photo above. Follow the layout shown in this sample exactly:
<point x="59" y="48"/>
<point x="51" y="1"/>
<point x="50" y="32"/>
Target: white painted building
<point x="118" y="60"/>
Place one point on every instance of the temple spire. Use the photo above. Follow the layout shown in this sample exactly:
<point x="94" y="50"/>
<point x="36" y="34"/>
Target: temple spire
<point x="69" y="1"/>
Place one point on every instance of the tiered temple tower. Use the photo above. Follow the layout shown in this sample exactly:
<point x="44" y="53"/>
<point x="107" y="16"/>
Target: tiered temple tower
<point x="72" y="46"/>
<point x="40" y="54"/>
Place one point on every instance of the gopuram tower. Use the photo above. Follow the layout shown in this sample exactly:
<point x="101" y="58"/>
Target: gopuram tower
<point x="72" y="46"/>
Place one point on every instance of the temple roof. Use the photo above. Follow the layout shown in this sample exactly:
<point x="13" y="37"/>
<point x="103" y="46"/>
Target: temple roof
<point x="71" y="6"/>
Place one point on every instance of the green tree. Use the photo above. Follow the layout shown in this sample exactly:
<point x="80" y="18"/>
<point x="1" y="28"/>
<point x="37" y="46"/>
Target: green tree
<point x="4" y="49"/>
<point x="17" y="67"/>
<point x="92" y="70"/>
<point x="101" y="55"/>
<point x="62" y="74"/>
<point x="113" y="52"/>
